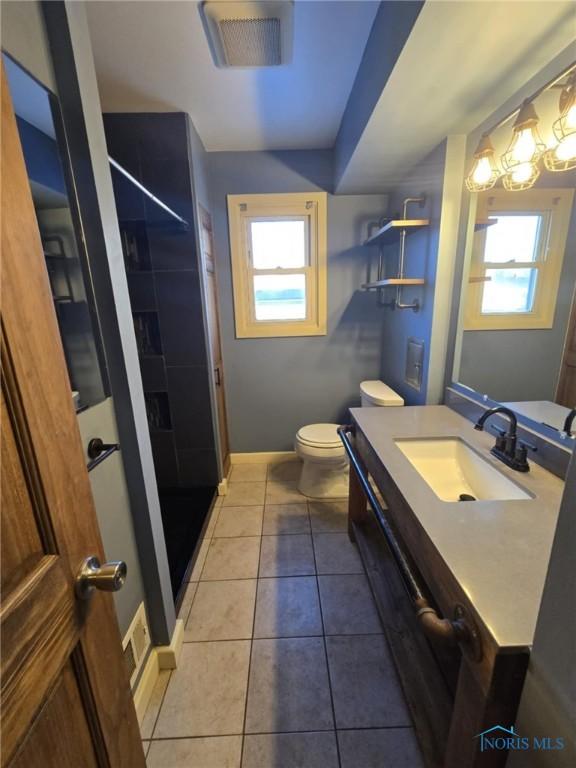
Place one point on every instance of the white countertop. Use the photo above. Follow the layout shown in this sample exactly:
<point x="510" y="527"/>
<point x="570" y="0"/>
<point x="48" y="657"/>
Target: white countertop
<point x="498" y="551"/>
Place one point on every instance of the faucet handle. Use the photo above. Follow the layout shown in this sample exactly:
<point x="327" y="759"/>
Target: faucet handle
<point x="500" y="437"/>
<point x="528" y="446"/>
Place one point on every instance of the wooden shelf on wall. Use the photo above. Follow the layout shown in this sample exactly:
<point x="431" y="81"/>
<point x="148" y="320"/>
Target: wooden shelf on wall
<point x="394" y="281"/>
<point x="390" y="232"/>
<point x="479" y="279"/>
<point x="481" y="224"/>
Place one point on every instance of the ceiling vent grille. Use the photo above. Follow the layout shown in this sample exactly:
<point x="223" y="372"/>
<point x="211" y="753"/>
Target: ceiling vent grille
<point x="251" y="42"/>
<point x="249" y="34"/>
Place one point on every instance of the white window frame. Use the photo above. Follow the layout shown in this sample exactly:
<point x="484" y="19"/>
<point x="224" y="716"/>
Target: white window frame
<point x="244" y="209"/>
<point x="555" y="206"/>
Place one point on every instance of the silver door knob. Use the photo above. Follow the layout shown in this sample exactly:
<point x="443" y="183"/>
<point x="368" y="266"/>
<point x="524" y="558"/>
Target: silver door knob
<point x="109" y="577"/>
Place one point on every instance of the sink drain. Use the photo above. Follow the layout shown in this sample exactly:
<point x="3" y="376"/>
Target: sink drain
<point x="467" y="497"/>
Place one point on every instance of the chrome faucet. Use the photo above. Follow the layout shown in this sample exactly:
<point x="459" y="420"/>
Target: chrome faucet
<point x="568" y="423"/>
<point x="506" y="448"/>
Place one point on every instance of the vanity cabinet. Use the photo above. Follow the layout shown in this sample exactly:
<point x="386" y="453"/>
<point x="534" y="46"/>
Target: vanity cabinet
<point x="454" y="691"/>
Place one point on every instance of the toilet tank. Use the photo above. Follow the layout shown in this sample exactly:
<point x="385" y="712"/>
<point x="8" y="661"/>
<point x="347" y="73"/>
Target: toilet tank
<point x="376" y="394"/>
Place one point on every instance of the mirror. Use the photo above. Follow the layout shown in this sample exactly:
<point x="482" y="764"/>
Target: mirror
<point x="45" y="154"/>
<point x="517" y="335"/>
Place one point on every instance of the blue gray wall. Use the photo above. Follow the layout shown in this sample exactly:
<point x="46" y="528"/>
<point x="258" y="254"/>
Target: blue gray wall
<point x="523" y="364"/>
<point x="274" y="386"/>
<point x="421" y="259"/>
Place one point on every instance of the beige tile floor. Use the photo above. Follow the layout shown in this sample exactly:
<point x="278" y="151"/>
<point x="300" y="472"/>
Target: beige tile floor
<point x="284" y="663"/>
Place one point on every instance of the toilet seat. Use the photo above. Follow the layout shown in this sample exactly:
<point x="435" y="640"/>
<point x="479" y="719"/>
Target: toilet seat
<point x="320" y="436"/>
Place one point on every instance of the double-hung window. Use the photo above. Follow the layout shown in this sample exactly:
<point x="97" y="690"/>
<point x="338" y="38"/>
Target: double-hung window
<point x="517" y="259"/>
<point x="278" y="250"/>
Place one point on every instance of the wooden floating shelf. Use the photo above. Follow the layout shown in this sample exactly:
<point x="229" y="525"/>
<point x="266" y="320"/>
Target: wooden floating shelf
<point x="394" y="281"/>
<point x="484" y="224"/>
<point x="390" y="232"/>
<point x="479" y="279"/>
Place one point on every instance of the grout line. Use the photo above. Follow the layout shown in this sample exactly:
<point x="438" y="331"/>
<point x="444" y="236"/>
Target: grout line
<point x="280" y="637"/>
<point x="216" y="514"/>
<point x="282" y="733"/>
<point x="161" y="705"/>
<point x="253" y="627"/>
<point x="209" y="544"/>
<point x="288" y="576"/>
<point x="325" y="647"/>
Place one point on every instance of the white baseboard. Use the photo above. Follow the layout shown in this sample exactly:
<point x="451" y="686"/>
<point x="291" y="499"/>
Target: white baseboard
<point x="161" y="657"/>
<point x="266" y="457"/>
<point x="145" y="686"/>
<point x="168" y="655"/>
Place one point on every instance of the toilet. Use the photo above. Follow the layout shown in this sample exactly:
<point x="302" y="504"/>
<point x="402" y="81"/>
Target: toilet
<point x="324" y="462"/>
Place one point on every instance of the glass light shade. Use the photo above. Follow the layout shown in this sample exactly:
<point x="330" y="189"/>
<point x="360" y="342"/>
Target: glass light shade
<point x="562" y="157"/>
<point x="524" y="146"/>
<point x="520" y="177"/>
<point x="483" y="174"/>
<point x="571" y="115"/>
<point x="520" y="161"/>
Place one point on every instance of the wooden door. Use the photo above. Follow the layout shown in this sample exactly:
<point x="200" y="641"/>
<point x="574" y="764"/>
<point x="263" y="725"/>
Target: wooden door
<point x="207" y="243"/>
<point x="566" y="393"/>
<point x="66" y="700"/>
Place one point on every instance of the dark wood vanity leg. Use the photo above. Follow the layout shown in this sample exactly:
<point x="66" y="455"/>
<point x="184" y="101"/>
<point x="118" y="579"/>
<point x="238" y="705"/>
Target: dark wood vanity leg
<point x="477" y="710"/>
<point x="356" y="504"/>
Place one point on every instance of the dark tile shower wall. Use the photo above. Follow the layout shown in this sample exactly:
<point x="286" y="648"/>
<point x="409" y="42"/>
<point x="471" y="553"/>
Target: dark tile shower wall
<point x="164" y="284"/>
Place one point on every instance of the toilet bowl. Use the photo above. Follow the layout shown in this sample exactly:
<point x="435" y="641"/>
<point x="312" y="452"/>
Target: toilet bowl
<point x="324" y="462"/>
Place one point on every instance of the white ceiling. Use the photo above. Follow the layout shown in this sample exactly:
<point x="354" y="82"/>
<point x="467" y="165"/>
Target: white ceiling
<point x="461" y="62"/>
<point x="154" y="56"/>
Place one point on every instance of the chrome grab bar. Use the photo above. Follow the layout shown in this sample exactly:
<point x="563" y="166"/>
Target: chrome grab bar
<point x="459" y="630"/>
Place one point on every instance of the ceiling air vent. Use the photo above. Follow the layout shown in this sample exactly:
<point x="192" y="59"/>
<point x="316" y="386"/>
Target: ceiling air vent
<point x="249" y="34"/>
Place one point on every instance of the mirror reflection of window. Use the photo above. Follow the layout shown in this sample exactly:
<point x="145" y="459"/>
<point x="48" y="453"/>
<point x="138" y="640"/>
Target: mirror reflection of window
<point x="42" y="142"/>
<point x="513" y="240"/>
<point x="520" y="314"/>
<point x="517" y="259"/>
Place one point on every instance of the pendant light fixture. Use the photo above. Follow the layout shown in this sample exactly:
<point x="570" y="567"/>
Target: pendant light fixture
<point x="484" y="173"/>
<point x="562" y="157"/>
<point x="520" y="161"/>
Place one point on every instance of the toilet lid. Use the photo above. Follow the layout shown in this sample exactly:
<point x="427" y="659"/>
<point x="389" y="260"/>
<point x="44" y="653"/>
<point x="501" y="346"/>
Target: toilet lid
<point x="319" y="435"/>
<point x="379" y="393"/>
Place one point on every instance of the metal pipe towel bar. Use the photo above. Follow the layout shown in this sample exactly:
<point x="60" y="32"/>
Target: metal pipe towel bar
<point x="459" y="630"/>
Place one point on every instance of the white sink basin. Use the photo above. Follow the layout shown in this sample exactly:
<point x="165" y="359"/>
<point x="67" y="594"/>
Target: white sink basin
<point x="451" y="468"/>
